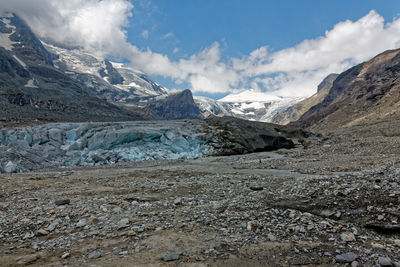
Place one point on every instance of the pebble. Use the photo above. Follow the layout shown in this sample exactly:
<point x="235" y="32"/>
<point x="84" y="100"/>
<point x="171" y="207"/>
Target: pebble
<point x="81" y="223"/>
<point x="171" y="256"/>
<point x="354" y="264"/>
<point x="42" y="232"/>
<point x="28" y="259"/>
<point x="385" y="261"/>
<point x="348" y="237"/>
<point x="123" y="223"/>
<point x="250" y="226"/>
<point x="62" y="202"/>
<point x="178" y="201"/>
<point x="65" y="255"/>
<point x="256" y="188"/>
<point x="346" y="257"/>
<point x="94" y="254"/>
<point x="377" y="245"/>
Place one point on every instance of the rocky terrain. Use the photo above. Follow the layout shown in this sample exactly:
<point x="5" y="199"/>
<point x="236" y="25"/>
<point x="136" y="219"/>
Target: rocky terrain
<point x="331" y="201"/>
<point x="367" y="92"/>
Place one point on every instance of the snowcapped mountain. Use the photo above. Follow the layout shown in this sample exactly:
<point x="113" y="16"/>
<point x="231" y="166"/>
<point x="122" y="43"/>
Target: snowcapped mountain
<point x="210" y="106"/>
<point x="112" y="81"/>
<point x="249" y="104"/>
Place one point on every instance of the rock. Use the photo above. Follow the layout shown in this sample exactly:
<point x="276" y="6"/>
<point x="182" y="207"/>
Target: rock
<point x="65" y="255"/>
<point x="271" y="237"/>
<point x="171" y="256"/>
<point x="123" y="223"/>
<point x="354" y="264"/>
<point x="377" y="245"/>
<point x="256" y="188"/>
<point x="51" y="212"/>
<point x="10" y="167"/>
<point x="385" y="261"/>
<point x="94" y="254"/>
<point x="178" y="201"/>
<point x="81" y="223"/>
<point x="62" y="202"/>
<point x="27" y="259"/>
<point x="348" y="237"/>
<point x="397" y="242"/>
<point x="250" y="226"/>
<point x="42" y="232"/>
<point x="346" y="257"/>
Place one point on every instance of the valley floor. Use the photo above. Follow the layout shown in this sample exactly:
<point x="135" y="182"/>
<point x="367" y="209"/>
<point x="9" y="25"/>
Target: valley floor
<point x="338" y="201"/>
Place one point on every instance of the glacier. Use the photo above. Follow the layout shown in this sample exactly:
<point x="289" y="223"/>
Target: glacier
<point x="85" y="144"/>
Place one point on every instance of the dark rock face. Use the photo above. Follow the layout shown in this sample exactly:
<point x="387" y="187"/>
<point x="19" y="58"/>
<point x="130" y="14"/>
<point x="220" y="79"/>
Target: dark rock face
<point x="175" y="107"/>
<point x="365" y="93"/>
<point x="29" y="46"/>
<point x="237" y="136"/>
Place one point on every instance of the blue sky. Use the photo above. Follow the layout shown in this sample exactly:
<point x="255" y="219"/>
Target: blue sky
<point x="180" y="28"/>
<point x="221" y="47"/>
<point x="242" y="26"/>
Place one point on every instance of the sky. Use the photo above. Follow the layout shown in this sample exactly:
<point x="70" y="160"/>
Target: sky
<point x="222" y="47"/>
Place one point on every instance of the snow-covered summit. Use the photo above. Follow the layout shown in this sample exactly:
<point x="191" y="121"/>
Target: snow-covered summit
<point x="110" y="80"/>
<point x="250" y="96"/>
<point x="249" y="104"/>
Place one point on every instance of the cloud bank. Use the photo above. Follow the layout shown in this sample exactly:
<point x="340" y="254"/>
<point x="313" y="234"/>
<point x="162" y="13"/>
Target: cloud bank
<point x="98" y="27"/>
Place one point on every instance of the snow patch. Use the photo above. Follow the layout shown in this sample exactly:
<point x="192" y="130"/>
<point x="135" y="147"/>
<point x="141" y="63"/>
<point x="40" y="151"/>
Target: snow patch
<point x="20" y="61"/>
<point x="5" y="40"/>
<point x="31" y="84"/>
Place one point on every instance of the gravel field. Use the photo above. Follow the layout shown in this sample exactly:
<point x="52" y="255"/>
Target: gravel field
<point x="333" y="200"/>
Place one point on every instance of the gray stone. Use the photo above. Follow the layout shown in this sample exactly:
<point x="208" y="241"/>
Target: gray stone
<point x="94" y="254"/>
<point x="62" y="202"/>
<point x="178" y="201"/>
<point x="385" y="261"/>
<point x="123" y="223"/>
<point x="81" y="223"/>
<point x="346" y="257"/>
<point x="10" y="167"/>
<point x="171" y="256"/>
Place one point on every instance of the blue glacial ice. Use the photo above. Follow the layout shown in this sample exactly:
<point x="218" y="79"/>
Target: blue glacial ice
<point x="84" y="144"/>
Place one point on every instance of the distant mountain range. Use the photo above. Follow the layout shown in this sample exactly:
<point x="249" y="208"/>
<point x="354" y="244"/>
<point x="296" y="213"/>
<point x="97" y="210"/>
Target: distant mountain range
<point x="43" y="82"/>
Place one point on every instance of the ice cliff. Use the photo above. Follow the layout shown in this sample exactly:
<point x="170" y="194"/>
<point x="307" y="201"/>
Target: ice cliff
<point x="80" y="144"/>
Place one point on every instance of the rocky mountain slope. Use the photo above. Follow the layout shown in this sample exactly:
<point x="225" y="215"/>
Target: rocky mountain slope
<point x="175" y="106"/>
<point x="367" y="92"/>
<point x="31" y="88"/>
<point x="114" y="82"/>
<point x="293" y="113"/>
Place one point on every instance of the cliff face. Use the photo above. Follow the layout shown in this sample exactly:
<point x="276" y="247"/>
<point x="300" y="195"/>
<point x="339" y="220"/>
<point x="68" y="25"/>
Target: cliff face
<point x="175" y="107"/>
<point x="367" y="92"/>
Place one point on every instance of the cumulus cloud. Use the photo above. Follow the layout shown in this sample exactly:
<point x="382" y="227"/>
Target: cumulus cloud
<point x="98" y="26"/>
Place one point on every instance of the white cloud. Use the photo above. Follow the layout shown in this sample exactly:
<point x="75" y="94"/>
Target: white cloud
<point x="296" y="71"/>
<point x="145" y="34"/>
<point x="97" y="26"/>
<point x="167" y="36"/>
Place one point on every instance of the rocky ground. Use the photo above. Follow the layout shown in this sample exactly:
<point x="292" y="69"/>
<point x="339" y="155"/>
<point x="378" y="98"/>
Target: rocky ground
<point x="332" y="201"/>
